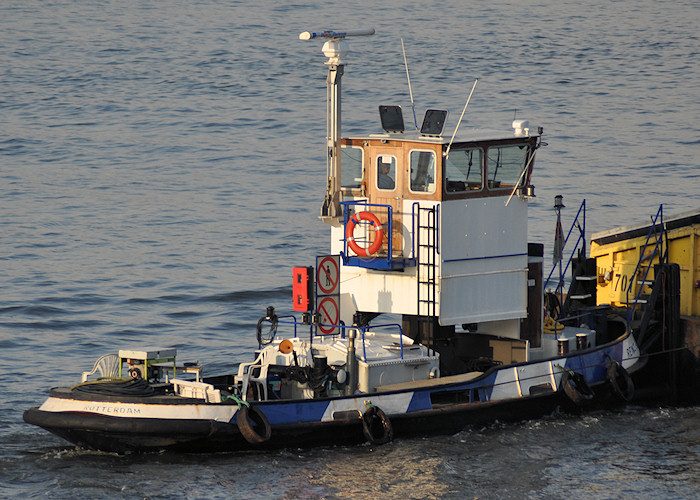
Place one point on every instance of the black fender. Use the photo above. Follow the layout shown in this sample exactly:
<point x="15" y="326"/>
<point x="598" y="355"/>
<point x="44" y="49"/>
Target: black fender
<point x="253" y="425"/>
<point x="576" y="387"/>
<point x="377" y="426"/>
<point x="620" y="381"/>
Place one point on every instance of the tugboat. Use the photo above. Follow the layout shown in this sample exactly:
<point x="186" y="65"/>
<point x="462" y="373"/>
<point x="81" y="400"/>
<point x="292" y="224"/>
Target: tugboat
<point x="428" y="229"/>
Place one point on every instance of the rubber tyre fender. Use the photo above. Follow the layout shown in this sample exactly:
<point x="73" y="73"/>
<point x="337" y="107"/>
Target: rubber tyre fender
<point x="377" y="426"/>
<point x="253" y="425"/>
<point x="620" y="381"/>
<point x="576" y="388"/>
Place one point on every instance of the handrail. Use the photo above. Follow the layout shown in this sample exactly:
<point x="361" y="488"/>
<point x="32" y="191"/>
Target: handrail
<point x="390" y="247"/>
<point x="294" y="322"/>
<point x="580" y="240"/>
<point x="343" y="327"/>
<point x="414" y="234"/>
<point x="657" y="250"/>
<point x="414" y="215"/>
<point x="364" y="329"/>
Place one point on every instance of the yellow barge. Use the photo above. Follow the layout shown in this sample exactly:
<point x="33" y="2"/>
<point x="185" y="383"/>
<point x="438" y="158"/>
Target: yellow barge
<point x="624" y="262"/>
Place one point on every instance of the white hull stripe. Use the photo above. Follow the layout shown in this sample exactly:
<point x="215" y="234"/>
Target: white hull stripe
<point x="391" y="404"/>
<point x="219" y="413"/>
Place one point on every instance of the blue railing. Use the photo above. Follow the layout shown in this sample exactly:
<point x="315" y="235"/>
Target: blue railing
<point x="656" y="251"/>
<point x="364" y="329"/>
<point x="289" y="322"/>
<point x="381" y="263"/>
<point x="343" y="328"/>
<point x="580" y="223"/>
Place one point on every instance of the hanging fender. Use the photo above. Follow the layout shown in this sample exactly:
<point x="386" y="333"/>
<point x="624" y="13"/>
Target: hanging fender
<point x="253" y="424"/>
<point x="378" y="234"/>
<point x="376" y="426"/>
<point x="620" y="381"/>
<point x="576" y="387"/>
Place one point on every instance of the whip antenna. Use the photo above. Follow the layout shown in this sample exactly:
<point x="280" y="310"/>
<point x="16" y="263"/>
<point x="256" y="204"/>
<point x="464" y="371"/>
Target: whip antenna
<point x="410" y="91"/>
<point x="447" y="153"/>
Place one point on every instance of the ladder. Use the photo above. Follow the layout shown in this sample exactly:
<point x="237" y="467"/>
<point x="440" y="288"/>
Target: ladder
<point x="653" y="247"/>
<point x="584" y="281"/>
<point x="426" y="271"/>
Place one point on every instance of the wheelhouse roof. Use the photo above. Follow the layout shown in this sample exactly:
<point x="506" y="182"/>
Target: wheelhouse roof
<point x="474" y="135"/>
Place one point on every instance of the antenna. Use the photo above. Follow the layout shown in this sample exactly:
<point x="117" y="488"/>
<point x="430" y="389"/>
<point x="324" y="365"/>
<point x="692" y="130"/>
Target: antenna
<point x="447" y="153"/>
<point x="335" y="49"/>
<point x="308" y="35"/>
<point x="410" y="91"/>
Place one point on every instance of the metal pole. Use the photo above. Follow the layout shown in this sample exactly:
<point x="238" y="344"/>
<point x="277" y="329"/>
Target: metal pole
<point x="559" y="251"/>
<point x="335" y="49"/>
<point x="331" y="206"/>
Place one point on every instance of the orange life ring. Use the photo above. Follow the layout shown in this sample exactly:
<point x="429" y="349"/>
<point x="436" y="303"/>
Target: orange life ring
<point x="378" y="234"/>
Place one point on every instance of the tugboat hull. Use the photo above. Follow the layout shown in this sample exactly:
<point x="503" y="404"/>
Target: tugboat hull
<point x="442" y="406"/>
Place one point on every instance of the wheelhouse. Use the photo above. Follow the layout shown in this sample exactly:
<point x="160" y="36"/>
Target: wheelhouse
<point x="388" y="167"/>
<point x="451" y="216"/>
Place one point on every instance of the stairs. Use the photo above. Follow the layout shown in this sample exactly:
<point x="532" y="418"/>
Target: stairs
<point x="584" y="280"/>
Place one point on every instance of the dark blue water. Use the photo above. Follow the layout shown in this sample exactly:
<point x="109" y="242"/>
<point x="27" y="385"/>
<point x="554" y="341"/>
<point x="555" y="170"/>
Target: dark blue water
<point x="162" y="166"/>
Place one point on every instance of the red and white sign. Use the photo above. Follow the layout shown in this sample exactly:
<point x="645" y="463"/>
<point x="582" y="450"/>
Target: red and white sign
<point x="329" y="309"/>
<point x="328" y="275"/>
<point x="328" y="293"/>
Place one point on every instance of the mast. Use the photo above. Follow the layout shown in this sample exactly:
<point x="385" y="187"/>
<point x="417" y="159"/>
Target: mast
<point x="335" y="49"/>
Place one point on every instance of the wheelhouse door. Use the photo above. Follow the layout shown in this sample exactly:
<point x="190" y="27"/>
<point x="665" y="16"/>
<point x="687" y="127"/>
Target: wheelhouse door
<point x="385" y="186"/>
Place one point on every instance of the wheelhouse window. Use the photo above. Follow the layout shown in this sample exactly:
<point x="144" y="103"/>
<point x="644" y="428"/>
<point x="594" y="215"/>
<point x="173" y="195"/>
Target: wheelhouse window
<point x="386" y="172"/>
<point x="505" y="164"/>
<point x="463" y="170"/>
<point x="350" y="167"/>
<point x="423" y="171"/>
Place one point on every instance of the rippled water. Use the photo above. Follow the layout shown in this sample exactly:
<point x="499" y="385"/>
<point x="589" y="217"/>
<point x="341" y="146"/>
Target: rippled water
<point x="161" y="169"/>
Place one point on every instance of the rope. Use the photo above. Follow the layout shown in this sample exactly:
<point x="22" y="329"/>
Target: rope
<point x="550" y="325"/>
<point x="238" y="401"/>
<point x="118" y="387"/>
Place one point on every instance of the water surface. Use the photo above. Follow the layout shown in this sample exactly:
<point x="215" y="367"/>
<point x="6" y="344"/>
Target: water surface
<point x="161" y="170"/>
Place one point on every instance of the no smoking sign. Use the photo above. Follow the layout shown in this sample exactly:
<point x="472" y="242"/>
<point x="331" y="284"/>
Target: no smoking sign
<point x="329" y="310"/>
<point x="328" y="293"/>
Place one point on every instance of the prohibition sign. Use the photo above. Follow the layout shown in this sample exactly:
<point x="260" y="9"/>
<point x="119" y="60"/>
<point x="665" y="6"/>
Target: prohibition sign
<point x="328" y="275"/>
<point x="328" y="309"/>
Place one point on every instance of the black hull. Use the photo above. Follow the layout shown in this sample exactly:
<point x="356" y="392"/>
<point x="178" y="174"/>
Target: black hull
<point x="118" y="434"/>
